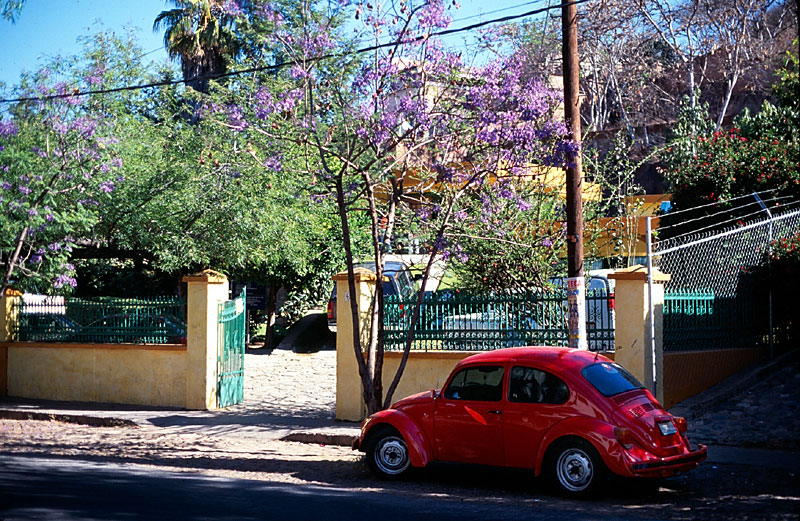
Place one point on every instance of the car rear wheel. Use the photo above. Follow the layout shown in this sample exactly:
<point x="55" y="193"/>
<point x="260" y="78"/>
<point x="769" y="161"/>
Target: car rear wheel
<point x="575" y="468"/>
<point x="387" y="454"/>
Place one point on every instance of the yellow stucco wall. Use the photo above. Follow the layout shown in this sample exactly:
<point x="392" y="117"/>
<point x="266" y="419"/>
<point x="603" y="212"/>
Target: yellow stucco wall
<point x="690" y="373"/>
<point x="424" y="370"/>
<point x="139" y="375"/>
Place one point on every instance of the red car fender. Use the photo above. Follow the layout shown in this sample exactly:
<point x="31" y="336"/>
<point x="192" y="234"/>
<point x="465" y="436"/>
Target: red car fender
<point x="418" y="447"/>
<point x="597" y="432"/>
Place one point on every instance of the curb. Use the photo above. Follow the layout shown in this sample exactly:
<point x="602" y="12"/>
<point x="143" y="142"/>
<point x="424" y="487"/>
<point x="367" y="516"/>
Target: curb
<point x="93" y="421"/>
<point x="321" y="438"/>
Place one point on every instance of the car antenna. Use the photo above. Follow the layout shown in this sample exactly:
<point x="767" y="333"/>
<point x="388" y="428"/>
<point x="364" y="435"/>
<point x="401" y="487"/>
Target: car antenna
<point x="596" y="355"/>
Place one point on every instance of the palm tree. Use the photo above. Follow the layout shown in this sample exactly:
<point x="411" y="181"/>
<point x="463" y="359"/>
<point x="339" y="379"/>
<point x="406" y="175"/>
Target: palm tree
<point x="200" y="33"/>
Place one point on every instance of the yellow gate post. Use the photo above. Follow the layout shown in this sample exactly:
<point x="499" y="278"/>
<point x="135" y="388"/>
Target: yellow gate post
<point x="350" y="404"/>
<point x="8" y="320"/>
<point x="205" y="290"/>
<point x="632" y="334"/>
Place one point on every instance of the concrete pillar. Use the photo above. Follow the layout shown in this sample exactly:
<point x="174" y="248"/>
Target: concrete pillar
<point x="350" y="405"/>
<point x="8" y="322"/>
<point x="632" y="335"/>
<point x="205" y="291"/>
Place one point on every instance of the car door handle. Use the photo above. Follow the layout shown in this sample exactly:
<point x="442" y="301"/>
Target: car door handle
<point x="494" y="412"/>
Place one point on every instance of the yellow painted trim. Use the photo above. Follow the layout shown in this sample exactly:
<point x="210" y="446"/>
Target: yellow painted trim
<point x="359" y="275"/>
<point x="71" y="345"/>
<point x="639" y="272"/>
<point x="431" y="355"/>
<point x="207" y="276"/>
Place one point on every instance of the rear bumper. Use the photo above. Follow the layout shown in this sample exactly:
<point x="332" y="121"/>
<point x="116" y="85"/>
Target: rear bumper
<point x="664" y="467"/>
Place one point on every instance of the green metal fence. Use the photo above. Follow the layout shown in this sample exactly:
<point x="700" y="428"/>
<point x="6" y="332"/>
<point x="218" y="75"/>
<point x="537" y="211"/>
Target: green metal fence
<point x="459" y="320"/>
<point x="108" y="320"/>
<point x="697" y="320"/>
<point x="231" y="326"/>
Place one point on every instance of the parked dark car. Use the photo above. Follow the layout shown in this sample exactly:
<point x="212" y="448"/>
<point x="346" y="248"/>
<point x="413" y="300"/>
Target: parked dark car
<point x="397" y="281"/>
<point x="572" y="416"/>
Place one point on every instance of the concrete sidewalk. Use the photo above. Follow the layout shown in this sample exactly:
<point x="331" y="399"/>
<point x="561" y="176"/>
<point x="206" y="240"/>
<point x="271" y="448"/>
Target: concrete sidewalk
<point x="287" y="396"/>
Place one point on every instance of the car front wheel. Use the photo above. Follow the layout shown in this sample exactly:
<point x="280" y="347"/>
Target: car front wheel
<point x="387" y="454"/>
<point x="575" y="468"/>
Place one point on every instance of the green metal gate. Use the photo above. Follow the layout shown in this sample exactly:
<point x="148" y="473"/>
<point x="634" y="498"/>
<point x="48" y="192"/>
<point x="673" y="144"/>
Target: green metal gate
<point x="230" y="351"/>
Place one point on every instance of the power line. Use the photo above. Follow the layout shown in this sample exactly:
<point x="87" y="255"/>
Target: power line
<point x="283" y="64"/>
<point x="738" y="219"/>
<point x="724" y="211"/>
<point x="722" y="201"/>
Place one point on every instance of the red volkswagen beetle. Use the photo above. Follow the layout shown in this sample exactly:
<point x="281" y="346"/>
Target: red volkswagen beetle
<point x="567" y="414"/>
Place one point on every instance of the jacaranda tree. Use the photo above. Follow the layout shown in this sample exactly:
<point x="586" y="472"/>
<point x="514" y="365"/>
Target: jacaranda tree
<point x="58" y="167"/>
<point x="402" y="133"/>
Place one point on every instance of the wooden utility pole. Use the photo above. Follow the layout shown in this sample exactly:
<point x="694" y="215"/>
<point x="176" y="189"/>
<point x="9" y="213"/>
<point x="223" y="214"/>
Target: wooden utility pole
<point x="572" y="113"/>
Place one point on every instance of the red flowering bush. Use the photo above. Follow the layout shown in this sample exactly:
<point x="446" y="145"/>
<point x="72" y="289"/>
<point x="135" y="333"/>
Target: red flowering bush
<point x="728" y="164"/>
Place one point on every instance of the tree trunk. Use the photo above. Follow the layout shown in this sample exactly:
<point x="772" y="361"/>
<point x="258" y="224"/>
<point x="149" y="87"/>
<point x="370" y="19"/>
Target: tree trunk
<point x="271" y="315"/>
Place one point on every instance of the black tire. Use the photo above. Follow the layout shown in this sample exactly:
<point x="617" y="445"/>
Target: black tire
<point x="387" y="454"/>
<point x="574" y="468"/>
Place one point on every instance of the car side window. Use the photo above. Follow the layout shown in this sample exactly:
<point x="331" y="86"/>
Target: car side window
<point x="529" y="385"/>
<point x="482" y="383"/>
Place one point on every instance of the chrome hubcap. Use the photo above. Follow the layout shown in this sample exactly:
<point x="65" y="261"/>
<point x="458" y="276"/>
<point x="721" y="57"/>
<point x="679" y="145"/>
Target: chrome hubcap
<point x="574" y="470"/>
<point x="391" y="455"/>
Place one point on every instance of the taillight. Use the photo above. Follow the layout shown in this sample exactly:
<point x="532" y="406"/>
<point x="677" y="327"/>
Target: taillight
<point x="402" y="311"/>
<point x="681" y="424"/>
<point x="612" y="304"/>
<point x="330" y="310"/>
<point x="624" y="437"/>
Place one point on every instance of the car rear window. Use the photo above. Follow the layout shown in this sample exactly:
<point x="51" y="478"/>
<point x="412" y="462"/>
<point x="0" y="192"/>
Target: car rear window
<point x="610" y="379"/>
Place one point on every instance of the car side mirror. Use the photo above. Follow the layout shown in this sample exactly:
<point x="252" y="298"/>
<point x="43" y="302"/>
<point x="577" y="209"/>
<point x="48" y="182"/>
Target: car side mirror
<point x="435" y="394"/>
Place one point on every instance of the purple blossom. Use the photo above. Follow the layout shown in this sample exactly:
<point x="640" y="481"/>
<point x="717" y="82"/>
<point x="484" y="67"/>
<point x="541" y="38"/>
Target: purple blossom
<point x="56" y="246"/>
<point x="232" y="8"/>
<point x="273" y="163"/>
<point x="116" y="162"/>
<point x="25" y="190"/>
<point x="270" y="14"/>
<point x="49" y="217"/>
<point x="8" y="128"/>
<point x="96" y="75"/>
<point x="36" y="259"/>
<point x="236" y="118"/>
<point x="433" y="15"/>
<point x="33" y="212"/>
<point x="85" y="126"/>
<point x="65" y="280"/>
<point x="107" y="186"/>
<point x="6" y="185"/>
<point x="38" y="151"/>
<point x="523" y="206"/>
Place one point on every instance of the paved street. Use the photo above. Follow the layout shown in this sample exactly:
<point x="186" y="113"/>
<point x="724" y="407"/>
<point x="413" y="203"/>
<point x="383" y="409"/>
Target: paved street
<point x="289" y="393"/>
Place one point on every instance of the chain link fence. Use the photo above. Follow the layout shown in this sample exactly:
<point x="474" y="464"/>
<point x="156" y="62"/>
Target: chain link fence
<point x="718" y="296"/>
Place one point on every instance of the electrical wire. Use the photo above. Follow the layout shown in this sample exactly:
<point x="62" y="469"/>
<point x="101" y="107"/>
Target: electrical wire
<point x="727" y="210"/>
<point x="283" y="64"/>
<point x="721" y="224"/>
<point x="676" y="212"/>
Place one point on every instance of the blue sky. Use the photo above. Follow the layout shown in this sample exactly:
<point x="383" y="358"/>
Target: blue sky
<point x="48" y="28"/>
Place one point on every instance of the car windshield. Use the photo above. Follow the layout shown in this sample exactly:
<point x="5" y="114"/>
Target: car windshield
<point x="610" y="379"/>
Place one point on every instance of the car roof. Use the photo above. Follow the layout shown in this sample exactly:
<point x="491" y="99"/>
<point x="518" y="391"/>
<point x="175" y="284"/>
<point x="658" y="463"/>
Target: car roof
<point x="563" y="357"/>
